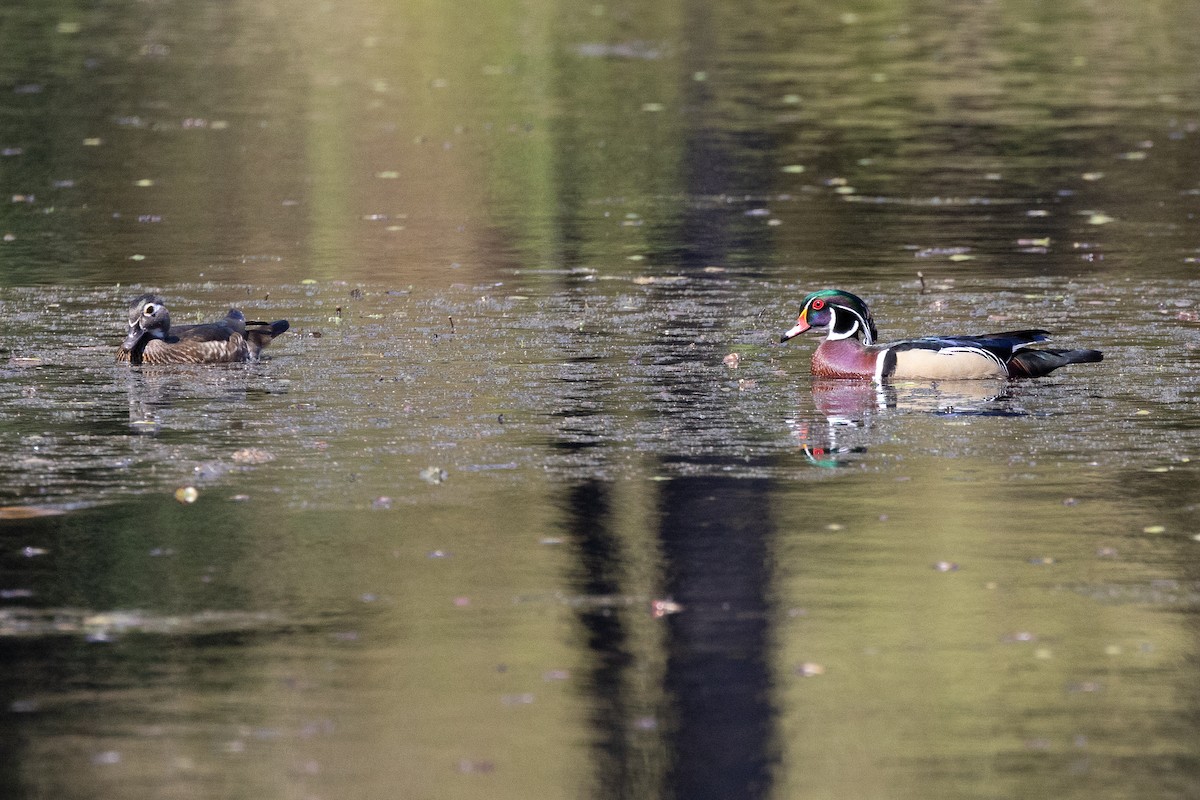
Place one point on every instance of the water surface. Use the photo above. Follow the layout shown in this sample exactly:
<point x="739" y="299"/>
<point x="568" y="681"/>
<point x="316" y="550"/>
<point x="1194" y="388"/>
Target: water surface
<point x="499" y="517"/>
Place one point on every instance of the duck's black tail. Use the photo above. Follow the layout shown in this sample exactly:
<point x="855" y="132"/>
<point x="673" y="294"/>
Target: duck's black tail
<point x="1036" y="363"/>
<point x="260" y="334"/>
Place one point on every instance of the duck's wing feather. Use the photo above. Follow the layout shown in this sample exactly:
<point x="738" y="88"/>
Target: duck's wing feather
<point x="234" y="324"/>
<point x="1000" y="345"/>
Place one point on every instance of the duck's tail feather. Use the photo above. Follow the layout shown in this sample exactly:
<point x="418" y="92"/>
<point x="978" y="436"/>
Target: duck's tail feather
<point x="260" y="334"/>
<point x="1036" y="363"/>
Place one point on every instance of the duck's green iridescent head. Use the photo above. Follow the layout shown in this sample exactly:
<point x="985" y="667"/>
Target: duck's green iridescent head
<point x="843" y="313"/>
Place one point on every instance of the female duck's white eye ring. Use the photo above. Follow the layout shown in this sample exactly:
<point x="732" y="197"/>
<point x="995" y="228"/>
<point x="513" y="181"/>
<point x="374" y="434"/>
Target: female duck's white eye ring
<point x="149" y="310"/>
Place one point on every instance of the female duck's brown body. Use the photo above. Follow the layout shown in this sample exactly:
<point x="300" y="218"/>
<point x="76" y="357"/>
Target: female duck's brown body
<point x="850" y="351"/>
<point x="150" y="339"/>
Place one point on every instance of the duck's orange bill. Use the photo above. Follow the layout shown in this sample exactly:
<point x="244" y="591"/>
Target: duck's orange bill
<point x="801" y="326"/>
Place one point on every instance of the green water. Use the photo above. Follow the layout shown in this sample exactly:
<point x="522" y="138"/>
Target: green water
<point x="498" y="518"/>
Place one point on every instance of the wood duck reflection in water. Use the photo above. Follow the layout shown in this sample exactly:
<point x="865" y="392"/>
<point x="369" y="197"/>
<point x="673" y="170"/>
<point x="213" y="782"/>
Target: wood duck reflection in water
<point x="850" y="349"/>
<point x="150" y="339"/>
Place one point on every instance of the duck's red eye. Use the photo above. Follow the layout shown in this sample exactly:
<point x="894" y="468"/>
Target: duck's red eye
<point x="817" y="305"/>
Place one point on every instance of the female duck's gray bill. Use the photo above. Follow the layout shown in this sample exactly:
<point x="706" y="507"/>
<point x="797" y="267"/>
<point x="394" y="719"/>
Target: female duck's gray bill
<point x="135" y="333"/>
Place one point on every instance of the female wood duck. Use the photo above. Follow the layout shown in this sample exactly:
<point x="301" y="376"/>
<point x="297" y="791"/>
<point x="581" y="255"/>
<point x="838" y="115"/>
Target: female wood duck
<point x="152" y="340"/>
<point x="850" y="350"/>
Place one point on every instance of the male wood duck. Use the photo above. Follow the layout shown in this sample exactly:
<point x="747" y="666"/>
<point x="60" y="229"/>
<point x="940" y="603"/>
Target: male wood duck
<point x="152" y="340"/>
<point x="850" y="349"/>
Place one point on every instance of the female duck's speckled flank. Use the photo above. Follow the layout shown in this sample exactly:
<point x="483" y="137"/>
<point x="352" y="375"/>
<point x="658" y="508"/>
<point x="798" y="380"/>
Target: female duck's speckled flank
<point x="850" y="350"/>
<point x="151" y="339"/>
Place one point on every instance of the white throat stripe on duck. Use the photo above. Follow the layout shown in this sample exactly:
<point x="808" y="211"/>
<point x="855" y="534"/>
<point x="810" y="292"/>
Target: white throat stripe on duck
<point x="859" y="323"/>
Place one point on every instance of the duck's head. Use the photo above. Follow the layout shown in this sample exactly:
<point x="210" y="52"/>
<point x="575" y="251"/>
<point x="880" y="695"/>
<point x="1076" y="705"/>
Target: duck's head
<point x="844" y="314"/>
<point x="148" y="316"/>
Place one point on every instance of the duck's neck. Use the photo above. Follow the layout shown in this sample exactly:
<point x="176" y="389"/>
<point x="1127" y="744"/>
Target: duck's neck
<point x="844" y="358"/>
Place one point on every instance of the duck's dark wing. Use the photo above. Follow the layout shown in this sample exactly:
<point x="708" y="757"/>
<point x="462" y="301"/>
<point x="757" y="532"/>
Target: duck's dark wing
<point x="1000" y="346"/>
<point x="234" y="324"/>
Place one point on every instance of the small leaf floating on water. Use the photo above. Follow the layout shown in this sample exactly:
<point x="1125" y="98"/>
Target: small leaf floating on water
<point x="1099" y="218"/>
<point x="1154" y="529"/>
<point x="809" y="669"/>
<point x="732" y="360"/>
<point x="945" y="566"/>
<point x="381" y="503"/>
<point x="187" y="494"/>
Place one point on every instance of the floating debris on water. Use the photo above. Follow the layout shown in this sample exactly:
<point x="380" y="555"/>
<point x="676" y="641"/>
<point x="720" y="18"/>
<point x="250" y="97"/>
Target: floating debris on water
<point x="661" y="608"/>
<point x="187" y="494"/>
<point x="28" y="512"/>
<point x="252" y="455"/>
<point x="434" y="475"/>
